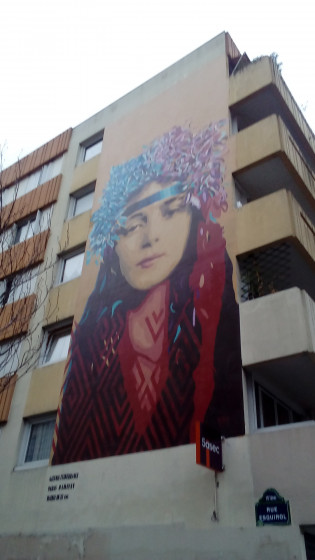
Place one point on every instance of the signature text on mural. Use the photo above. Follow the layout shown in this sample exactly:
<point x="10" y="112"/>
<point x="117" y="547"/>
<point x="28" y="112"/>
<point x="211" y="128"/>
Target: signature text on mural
<point x="60" y="485"/>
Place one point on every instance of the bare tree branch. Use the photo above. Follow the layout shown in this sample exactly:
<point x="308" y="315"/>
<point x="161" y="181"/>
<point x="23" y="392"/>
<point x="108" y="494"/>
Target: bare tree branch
<point x="26" y="277"/>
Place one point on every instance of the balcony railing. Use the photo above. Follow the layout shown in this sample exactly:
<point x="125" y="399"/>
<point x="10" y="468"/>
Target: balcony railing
<point x="265" y="272"/>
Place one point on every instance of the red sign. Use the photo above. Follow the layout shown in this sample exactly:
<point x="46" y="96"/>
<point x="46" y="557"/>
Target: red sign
<point x="208" y="448"/>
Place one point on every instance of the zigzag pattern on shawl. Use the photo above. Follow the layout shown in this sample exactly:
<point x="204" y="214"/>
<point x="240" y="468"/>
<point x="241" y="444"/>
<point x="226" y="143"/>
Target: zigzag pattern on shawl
<point x="97" y="420"/>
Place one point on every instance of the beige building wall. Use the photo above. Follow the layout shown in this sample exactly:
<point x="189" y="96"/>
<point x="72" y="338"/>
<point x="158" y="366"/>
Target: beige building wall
<point x="156" y="504"/>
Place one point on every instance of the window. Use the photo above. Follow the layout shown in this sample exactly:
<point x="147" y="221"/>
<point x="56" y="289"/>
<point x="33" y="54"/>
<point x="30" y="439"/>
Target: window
<point x="7" y="238"/>
<point x="8" y="195"/>
<point x="37" y="440"/>
<point x="43" y="219"/>
<point x="22" y="187"/>
<point x="91" y="147"/>
<point x="50" y="170"/>
<point x="71" y="266"/>
<point x="18" y="286"/>
<point x="56" y="345"/>
<point x="25" y="230"/>
<point x="31" y="182"/>
<point x="81" y="201"/>
<point x="34" y="224"/>
<point x="9" y="356"/>
<point x="93" y="150"/>
<point x="271" y="411"/>
<point x="240" y="197"/>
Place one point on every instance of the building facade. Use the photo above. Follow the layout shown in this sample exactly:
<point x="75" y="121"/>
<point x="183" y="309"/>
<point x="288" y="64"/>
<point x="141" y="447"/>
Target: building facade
<point x="157" y="275"/>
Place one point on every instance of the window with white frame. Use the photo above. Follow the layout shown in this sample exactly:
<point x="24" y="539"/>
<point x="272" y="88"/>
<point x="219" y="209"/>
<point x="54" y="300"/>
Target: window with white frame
<point x="25" y="229"/>
<point x="71" y="265"/>
<point x="44" y="218"/>
<point x="31" y="182"/>
<point x="81" y="201"/>
<point x="92" y="150"/>
<point x="34" y="224"/>
<point x="271" y="411"/>
<point x="18" y="286"/>
<point x="50" y="170"/>
<point x="9" y="356"/>
<point x="91" y="147"/>
<point x="37" y="441"/>
<point x="56" y="344"/>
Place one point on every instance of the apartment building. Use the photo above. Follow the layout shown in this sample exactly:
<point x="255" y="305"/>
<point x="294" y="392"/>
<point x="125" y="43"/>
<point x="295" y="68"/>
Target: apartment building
<point x="157" y="312"/>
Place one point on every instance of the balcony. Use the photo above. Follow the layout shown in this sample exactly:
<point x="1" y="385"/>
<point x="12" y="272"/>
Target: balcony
<point x="275" y="247"/>
<point x="278" y="343"/>
<point x="268" y="159"/>
<point x="259" y="90"/>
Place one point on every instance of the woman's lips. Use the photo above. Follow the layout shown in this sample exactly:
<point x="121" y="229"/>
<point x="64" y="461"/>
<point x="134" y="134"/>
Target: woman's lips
<point x="149" y="261"/>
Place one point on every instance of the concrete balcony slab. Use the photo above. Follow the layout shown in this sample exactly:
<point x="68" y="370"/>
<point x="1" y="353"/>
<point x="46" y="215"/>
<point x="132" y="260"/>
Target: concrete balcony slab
<point x="259" y="90"/>
<point x="278" y="342"/>
<point x="268" y="159"/>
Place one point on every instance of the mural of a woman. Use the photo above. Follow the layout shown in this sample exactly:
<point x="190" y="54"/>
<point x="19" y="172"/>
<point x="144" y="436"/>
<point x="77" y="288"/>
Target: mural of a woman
<point x="157" y="347"/>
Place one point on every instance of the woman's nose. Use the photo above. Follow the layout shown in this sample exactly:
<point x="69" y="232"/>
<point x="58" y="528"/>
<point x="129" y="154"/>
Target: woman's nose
<point x="152" y="229"/>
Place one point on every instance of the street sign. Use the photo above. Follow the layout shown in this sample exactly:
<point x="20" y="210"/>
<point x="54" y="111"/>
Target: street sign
<point x="272" y="509"/>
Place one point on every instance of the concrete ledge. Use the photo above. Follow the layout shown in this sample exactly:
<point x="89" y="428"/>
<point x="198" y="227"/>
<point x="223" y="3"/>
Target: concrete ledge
<point x="276" y="326"/>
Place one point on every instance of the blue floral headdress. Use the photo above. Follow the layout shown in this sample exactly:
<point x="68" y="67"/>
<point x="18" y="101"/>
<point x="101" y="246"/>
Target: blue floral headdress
<point x="194" y="160"/>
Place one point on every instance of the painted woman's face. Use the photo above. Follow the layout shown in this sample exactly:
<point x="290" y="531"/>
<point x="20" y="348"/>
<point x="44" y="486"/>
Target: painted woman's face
<point x="154" y="236"/>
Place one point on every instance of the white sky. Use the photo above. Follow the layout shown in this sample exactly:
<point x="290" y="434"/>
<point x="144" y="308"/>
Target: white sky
<point x="64" y="60"/>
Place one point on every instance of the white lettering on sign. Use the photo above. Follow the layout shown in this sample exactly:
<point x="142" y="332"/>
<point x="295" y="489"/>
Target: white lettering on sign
<point x="276" y="517"/>
<point x="205" y="443"/>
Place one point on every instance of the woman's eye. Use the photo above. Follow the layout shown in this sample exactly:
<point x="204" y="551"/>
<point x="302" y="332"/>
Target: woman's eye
<point x="169" y="212"/>
<point x="132" y="228"/>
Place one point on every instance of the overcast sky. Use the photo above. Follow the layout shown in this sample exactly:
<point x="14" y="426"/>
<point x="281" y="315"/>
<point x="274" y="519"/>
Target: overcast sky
<point x="64" y="60"/>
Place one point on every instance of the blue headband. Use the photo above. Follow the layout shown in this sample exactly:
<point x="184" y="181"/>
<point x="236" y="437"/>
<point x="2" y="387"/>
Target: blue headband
<point x="173" y="190"/>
